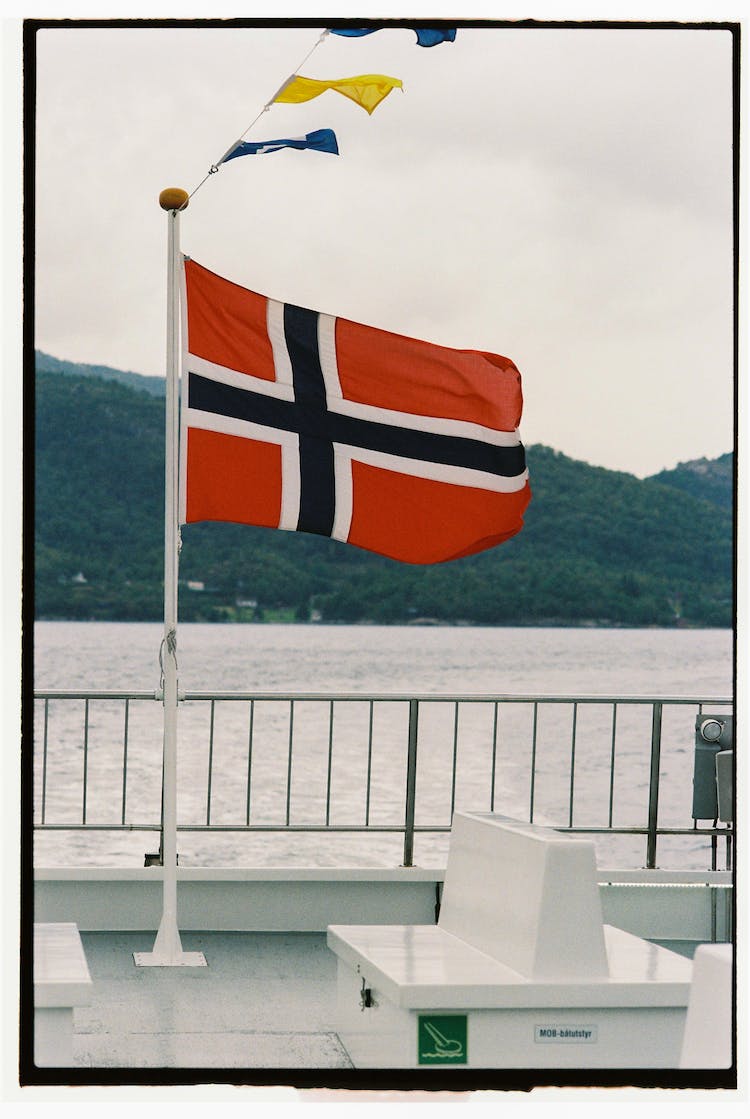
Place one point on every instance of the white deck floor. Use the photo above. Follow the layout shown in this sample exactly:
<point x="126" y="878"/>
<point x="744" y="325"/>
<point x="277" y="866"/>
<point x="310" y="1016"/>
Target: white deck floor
<point x="265" y="1000"/>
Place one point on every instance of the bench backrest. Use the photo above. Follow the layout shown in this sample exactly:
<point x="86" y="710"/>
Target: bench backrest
<point x="525" y="895"/>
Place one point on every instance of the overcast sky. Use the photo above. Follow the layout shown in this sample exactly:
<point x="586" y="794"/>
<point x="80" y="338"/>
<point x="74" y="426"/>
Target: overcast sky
<point x="560" y="196"/>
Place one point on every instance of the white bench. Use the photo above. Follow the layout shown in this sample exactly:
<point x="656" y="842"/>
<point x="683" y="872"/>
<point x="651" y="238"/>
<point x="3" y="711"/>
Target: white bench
<point x="707" y="1042"/>
<point x="61" y="982"/>
<point x="519" y="972"/>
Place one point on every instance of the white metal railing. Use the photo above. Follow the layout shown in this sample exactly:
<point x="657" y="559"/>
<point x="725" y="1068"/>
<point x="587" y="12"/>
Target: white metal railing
<point x="423" y="801"/>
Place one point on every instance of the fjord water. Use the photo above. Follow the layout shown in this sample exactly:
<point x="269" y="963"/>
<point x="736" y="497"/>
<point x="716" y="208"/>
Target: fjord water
<point x="370" y="660"/>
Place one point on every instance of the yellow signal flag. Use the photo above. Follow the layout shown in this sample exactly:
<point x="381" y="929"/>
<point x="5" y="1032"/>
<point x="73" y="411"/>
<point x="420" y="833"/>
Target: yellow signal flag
<point x="367" y="90"/>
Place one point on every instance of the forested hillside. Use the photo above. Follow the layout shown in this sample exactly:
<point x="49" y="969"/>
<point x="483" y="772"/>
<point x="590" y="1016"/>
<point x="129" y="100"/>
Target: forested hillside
<point x="599" y="546"/>
<point x="711" y="479"/>
<point x="45" y="363"/>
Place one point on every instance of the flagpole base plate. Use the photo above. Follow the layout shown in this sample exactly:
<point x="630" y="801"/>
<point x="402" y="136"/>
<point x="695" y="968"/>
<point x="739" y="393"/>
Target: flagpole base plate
<point x="178" y="959"/>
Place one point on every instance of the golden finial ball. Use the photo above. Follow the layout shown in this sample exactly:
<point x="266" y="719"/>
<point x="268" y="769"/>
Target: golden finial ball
<point x="174" y="198"/>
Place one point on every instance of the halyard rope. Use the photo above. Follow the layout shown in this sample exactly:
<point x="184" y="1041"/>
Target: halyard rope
<point x="215" y="166"/>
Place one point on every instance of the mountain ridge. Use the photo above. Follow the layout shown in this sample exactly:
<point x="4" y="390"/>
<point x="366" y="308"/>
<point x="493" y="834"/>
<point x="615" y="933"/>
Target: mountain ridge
<point x="46" y="363"/>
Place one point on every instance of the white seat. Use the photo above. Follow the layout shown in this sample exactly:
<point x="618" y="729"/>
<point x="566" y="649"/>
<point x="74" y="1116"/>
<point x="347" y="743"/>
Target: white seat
<point x="520" y="947"/>
<point x="61" y="982"/>
<point x="708" y="1029"/>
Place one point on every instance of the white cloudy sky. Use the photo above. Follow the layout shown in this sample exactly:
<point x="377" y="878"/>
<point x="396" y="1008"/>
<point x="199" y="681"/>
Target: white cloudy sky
<point x="561" y="196"/>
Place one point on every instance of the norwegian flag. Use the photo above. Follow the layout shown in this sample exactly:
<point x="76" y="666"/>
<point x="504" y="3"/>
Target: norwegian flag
<point x="298" y="420"/>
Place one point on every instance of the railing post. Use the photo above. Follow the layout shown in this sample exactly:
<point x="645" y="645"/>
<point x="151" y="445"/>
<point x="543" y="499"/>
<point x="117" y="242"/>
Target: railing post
<point x="125" y="761"/>
<point x="653" y="787"/>
<point x="44" y="762"/>
<point x="85" y="759"/>
<point x="411" y="783"/>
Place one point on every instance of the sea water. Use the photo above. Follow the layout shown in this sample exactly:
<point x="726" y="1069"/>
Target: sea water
<point x="332" y="772"/>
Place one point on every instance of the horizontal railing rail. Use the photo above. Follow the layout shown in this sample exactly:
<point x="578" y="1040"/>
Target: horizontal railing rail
<point x="415" y="782"/>
<point x="388" y="697"/>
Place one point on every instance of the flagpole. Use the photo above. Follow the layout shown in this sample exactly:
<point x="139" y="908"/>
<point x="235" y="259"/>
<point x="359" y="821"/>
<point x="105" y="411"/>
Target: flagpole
<point x="167" y="950"/>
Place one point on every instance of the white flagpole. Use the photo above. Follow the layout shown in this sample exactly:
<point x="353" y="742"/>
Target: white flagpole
<point x="167" y="950"/>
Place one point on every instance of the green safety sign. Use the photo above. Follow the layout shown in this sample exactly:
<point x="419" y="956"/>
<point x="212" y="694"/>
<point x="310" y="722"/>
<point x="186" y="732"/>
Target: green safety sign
<point x="442" y="1039"/>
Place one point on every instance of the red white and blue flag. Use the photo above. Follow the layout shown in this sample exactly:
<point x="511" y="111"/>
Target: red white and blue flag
<point x="303" y="421"/>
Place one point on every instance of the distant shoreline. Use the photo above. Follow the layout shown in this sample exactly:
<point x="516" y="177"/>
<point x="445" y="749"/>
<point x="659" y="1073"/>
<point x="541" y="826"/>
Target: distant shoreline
<point x="417" y="624"/>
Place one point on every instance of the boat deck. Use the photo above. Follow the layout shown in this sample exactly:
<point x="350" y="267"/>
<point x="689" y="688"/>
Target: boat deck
<point x="264" y="1000"/>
